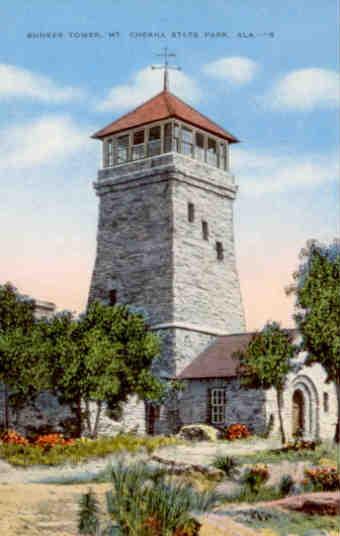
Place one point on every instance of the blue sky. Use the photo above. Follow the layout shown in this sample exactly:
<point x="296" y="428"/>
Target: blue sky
<point x="279" y="94"/>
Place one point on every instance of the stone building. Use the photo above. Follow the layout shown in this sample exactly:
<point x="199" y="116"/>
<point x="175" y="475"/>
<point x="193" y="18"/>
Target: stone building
<point x="165" y="243"/>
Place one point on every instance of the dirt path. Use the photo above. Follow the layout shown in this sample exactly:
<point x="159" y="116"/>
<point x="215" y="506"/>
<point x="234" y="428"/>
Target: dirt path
<point x="51" y="510"/>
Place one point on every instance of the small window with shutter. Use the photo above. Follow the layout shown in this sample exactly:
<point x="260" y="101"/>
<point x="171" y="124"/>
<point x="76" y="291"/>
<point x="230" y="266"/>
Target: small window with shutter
<point x="217" y="405"/>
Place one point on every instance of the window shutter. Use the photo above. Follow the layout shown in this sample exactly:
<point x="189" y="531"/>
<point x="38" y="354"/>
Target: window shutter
<point x="208" y="417"/>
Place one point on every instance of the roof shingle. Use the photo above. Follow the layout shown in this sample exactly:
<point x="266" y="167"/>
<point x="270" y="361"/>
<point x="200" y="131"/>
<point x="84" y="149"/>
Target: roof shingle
<point x="163" y="106"/>
<point x="216" y="361"/>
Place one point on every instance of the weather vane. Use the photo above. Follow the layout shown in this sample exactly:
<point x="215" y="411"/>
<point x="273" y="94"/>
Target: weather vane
<point x="166" y="55"/>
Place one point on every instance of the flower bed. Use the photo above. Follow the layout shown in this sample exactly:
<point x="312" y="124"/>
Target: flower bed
<point x="236" y="431"/>
<point x="11" y="437"/>
<point x="323" y="478"/>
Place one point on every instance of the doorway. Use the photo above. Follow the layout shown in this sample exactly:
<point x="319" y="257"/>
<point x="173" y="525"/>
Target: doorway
<point x="298" y="417"/>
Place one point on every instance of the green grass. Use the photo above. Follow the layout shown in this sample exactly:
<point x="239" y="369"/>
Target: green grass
<point x="265" y="493"/>
<point x="324" y="451"/>
<point x="83" y="449"/>
<point x="292" y="523"/>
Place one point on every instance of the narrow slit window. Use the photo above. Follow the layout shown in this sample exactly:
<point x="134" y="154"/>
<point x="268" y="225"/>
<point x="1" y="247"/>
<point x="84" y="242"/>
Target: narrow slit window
<point x="113" y="297"/>
<point x="191" y="212"/>
<point x="205" y="230"/>
<point x="219" y="251"/>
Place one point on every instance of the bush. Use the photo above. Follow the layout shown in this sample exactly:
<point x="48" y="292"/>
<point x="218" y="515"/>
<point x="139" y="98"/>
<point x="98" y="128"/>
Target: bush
<point x="198" y="432"/>
<point x="25" y="454"/>
<point x="255" y="477"/>
<point x="286" y="484"/>
<point x="142" y="505"/>
<point x="51" y="440"/>
<point x="227" y="464"/>
<point x="236" y="431"/>
<point x="323" y="478"/>
<point x="11" y="437"/>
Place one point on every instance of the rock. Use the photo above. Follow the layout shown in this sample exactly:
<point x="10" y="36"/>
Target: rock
<point x="326" y="506"/>
<point x="198" y="432"/>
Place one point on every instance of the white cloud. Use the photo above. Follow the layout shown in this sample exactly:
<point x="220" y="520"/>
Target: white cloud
<point x="42" y="141"/>
<point x="17" y="82"/>
<point x="306" y="89"/>
<point x="145" y="84"/>
<point x="235" y="69"/>
<point x="261" y="173"/>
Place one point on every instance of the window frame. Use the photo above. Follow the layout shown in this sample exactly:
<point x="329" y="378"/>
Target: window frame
<point x="217" y="405"/>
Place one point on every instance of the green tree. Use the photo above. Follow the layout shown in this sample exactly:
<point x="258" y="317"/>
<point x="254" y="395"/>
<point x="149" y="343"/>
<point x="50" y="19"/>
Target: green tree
<point x="20" y="370"/>
<point x="266" y="362"/>
<point x="104" y="356"/>
<point x="316" y="286"/>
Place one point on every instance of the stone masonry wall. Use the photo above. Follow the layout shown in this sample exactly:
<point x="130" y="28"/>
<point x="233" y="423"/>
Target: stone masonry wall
<point x="157" y="260"/>
<point x="244" y="406"/>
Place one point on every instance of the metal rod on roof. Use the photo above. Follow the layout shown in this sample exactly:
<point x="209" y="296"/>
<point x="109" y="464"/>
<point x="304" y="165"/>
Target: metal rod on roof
<point x="166" y="55"/>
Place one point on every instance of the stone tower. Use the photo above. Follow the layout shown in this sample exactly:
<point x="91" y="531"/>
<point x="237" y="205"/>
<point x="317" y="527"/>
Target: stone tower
<point x="165" y="239"/>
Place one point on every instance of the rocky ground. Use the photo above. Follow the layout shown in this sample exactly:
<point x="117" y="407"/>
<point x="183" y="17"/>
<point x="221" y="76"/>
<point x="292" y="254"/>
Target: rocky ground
<point x="38" y="501"/>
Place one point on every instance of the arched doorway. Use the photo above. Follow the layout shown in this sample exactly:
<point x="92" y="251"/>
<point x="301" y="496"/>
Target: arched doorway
<point x="298" y="415"/>
<point x="304" y="404"/>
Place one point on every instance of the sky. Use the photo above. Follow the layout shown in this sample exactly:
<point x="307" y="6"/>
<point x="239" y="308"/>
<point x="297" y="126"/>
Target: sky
<point x="267" y="71"/>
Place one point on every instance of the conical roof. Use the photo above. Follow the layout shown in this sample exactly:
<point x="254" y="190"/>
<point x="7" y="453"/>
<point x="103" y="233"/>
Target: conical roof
<point x="164" y="105"/>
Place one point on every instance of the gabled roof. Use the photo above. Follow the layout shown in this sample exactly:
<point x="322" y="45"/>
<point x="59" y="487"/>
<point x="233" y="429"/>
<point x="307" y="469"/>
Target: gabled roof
<point x="216" y="361"/>
<point x="163" y="106"/>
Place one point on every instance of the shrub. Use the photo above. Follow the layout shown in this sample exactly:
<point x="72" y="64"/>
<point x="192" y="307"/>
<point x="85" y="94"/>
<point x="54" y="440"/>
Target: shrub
<point x="286" y="484"/>
<point x="142" y="505"/>
<point x="323" y="478"/>
<point x="255" y="477"/>
<point x="227" y="464"/>
<point x="236" y="431"/>
<point x="50" y="440"/>
<point x="11" y="437"/>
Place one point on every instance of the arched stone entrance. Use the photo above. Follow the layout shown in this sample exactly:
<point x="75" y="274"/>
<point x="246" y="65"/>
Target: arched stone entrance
<point x="305" y="408"/>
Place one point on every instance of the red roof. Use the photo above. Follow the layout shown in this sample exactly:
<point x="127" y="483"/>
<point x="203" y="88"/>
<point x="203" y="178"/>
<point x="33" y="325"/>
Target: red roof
<point x="217" y="360"/>
<point x="163" y="106"/>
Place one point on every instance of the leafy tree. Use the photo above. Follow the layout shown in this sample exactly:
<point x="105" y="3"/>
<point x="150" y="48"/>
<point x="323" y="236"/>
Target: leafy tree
<point x="266" y="362"/>
<point x="105" y="355"/>
<point x="19" y="368"/>
<point x="317" y="293"/>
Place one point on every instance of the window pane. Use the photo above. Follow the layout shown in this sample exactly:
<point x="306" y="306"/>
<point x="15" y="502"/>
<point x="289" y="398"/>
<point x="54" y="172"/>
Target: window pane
<point x="122" y="148"/>
<point x="212" y="152"/>
<point x="138" y="137"/>
<point x="110" y="153"/>
<point x="167" y="138"/>
<point x="187" y="135"/>
<point x="155" y="133"/>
